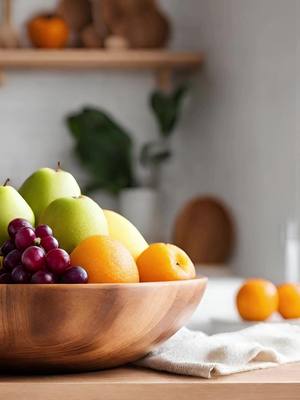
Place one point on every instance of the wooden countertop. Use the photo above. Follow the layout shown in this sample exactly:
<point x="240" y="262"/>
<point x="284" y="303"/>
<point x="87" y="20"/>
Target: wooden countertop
<point x="134" y="383"/>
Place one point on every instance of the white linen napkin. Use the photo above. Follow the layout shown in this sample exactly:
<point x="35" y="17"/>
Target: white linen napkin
<point x="194" y="353"/>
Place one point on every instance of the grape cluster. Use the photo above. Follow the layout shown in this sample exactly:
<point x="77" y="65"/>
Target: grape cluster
<point x="33" y="256"/>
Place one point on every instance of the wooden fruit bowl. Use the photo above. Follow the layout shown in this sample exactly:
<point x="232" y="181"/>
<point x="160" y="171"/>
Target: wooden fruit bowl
<point x="59" y="328"/>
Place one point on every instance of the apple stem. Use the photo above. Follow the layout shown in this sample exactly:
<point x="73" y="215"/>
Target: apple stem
<point x="6" y="182"/>
<point x="58" y="166"/>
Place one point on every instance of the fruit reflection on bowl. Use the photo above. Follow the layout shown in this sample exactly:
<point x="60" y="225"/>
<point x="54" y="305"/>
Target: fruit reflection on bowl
<point x="63" y="328"/>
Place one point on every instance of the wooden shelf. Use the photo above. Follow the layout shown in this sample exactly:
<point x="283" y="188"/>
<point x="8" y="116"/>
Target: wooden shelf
<point x="129" y="59"/>
<point x="163" y="61"/>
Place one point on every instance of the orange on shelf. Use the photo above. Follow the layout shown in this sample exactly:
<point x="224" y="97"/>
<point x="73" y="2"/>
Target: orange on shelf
<point x="257" y="300"/>
<point x="48" y="32"/>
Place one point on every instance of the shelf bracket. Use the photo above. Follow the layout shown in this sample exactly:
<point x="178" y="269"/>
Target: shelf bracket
<point x="164" y="78"/>
<point x="2" y="77"/>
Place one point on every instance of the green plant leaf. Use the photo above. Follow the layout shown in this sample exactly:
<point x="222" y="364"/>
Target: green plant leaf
<point x="166" y="108"/>
<point x="104" y="147"/>
<point x="154" y="153"/>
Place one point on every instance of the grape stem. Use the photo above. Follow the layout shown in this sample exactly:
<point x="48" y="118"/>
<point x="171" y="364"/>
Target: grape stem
<point x="6" y="182"/>
<point x="37" y="241"/>
<point x="58" y="166"/>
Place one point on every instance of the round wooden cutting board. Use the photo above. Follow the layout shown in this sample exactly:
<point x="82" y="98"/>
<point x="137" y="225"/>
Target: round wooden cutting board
<point x="204" y="229"/>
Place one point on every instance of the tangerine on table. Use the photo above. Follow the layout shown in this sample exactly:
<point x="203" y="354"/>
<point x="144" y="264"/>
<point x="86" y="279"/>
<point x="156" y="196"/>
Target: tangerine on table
<point x="257" y="300"/>
<point x="289" y="300"/>
<point x="106" y="260"/>
<point x="164" y="262"/>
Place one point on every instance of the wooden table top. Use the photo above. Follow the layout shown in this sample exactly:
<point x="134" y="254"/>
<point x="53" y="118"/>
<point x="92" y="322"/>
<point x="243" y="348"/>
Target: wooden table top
<point x="136" y="383"/>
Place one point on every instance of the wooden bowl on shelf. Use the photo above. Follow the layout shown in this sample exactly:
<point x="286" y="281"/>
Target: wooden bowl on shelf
<point x="61" y="328"/>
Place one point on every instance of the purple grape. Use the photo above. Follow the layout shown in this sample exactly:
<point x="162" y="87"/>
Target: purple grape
<point x="24" y="238"/>
<point x="20" y="275"/>
<point x="58" y="260"/>
<point x="43" y="230"/>
<point x="7" y="247"/>
<point x="75" y="275"/>
<point x="49" y="243"/>
<point x="43" y="277"/>
<point x="12" y="260"/>
<point x="34" y="259"/>
<point x="5" y="277"/>
<point x="16" y="224"/>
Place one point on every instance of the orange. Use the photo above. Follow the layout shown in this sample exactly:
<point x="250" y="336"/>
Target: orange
<point x="164" y="262"/>
<point x="257" y="299"/>
<point x="106" y="260"/>
<point x="289" y="300"/>
<point x="48" y="31"/>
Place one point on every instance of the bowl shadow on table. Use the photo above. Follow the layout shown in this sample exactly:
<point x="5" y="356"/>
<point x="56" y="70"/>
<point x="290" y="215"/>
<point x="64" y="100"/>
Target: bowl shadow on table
<point x="63" y="328"/>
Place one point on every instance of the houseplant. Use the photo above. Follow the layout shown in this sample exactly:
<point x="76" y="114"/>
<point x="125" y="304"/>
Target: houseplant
<point x="134" y="201"/>
<point x="105" y="149"/>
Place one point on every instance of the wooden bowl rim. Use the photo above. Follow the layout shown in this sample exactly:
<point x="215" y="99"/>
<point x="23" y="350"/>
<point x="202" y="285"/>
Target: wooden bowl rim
<point x="198" y="280"/>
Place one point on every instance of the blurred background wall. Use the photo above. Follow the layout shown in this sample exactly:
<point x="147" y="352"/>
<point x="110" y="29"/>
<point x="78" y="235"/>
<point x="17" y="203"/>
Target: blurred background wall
<point x="237" y="139"/>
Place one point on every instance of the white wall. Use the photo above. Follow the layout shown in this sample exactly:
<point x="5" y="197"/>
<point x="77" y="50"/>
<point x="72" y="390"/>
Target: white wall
<point x="238" y="137"/>
<point x="243" y="138"/>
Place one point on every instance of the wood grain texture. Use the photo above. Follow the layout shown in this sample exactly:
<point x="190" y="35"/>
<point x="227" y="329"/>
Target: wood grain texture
<point x="87" y="327"/>
<point x="204" y="228"/>
<point x="99" y="59"/>
<point x="280" y="383"/>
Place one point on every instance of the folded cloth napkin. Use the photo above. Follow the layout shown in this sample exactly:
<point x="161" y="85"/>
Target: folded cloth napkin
<point x="194" y="353"/>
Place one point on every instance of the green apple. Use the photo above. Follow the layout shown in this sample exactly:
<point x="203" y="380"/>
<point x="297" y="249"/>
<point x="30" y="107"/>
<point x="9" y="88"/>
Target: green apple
<point x="12" y="205"/>
<point x="74" y="219"/>
<point x="46" y="185"/>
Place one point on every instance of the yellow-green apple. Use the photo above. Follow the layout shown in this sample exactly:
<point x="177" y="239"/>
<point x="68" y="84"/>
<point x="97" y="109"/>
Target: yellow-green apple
<point x="12" y="205"/>
<point x="46" y="185"/>
<point x="73" y="219"/>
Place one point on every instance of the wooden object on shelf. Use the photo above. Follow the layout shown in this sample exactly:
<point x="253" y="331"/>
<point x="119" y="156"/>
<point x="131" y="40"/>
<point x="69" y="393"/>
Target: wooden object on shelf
<point x="279" y="383"/>
<point x="204" y="229"/>
<point x="117" y="43"/>
<point x="97" y="18"/>
<point x="8" y="36"/>
<point x="87" y="327"/>
<point x="141" y="23"/>
<point x="90" y="38"/>
<point x="77" y="14"/>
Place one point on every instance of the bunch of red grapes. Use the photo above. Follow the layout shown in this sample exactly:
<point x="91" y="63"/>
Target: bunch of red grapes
<point x="33" y="256"/>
